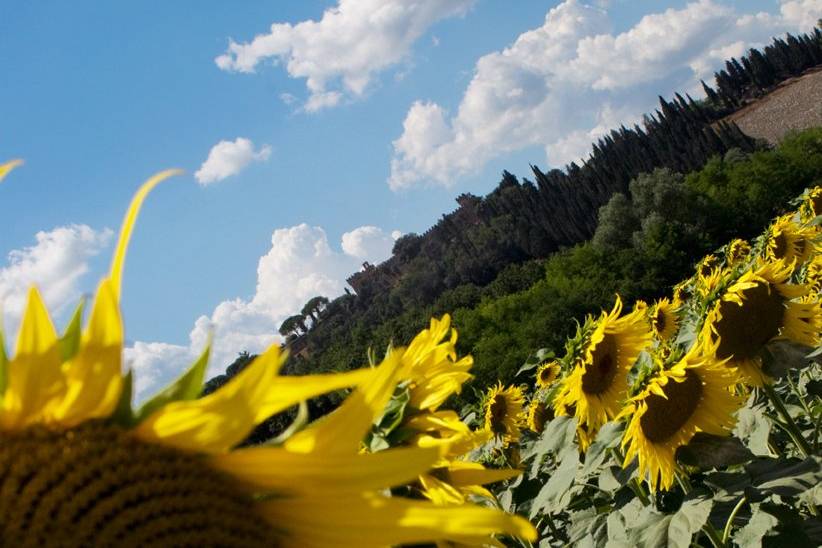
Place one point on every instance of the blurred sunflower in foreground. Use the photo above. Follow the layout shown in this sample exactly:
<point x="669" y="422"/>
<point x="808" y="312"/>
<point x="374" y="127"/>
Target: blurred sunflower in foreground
<point x="6" y="168"/>
<point x="78" y="466"/>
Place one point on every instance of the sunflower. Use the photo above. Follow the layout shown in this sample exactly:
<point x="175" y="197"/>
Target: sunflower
<point x="539" y="413"/>
<point x="547" y="373"/>
<point x="504" y="415"/>
<point x="444" y="429"/>
<point x="757" y="308"/>
<point x="707" y="285"/>
<point x="664" y="319"/>
<point x="706" y="266"/>
<point x="454" y="478"/>
<point x="813" y="273"/>
<point x="77" y="464"/>
<point x="598" y="384"/>
<point x="694" y="395"/>
<point x="682" y="292"/>
<point x="789" y="241"/>
<point x="430" y="364"/>
<point x="6" y="168"/>
<point x="737" y="250"/>
<point x="452" y="482"/>
<point x="812" y="204"/>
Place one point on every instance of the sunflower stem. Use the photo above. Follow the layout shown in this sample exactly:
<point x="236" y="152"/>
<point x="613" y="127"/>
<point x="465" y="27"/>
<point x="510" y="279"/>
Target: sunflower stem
<point x="636" y="487"/>
<point x="726" y="533"/>
<point x="790" y="425"/>
<point x="633" y="484"/>
<point x="713" y="535"/>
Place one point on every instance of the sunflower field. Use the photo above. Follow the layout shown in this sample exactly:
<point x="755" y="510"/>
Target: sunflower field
<point x="692" y="420"/>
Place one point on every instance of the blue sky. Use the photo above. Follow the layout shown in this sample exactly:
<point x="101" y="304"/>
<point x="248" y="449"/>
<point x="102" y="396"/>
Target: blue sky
<point x="423" y="101"/>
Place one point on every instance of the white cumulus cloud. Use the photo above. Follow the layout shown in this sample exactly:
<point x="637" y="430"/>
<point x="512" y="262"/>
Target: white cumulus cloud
<point x="228" y="158"/>
<point x="569" y="81"/>
<point x="299" y="265"/>
<point x="368" y="241"/>
<point x="341" y="53"/>
<point x="55" y="263"/>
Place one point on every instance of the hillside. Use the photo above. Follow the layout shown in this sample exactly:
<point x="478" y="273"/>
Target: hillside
<point x="794" y="105"/>
<point x="497" y="245"/>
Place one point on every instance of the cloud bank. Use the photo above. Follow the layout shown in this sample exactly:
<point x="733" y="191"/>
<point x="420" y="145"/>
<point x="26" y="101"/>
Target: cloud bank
<point x="567" y="82"/>
<point x="56" y="264"/>
<point x="299" y="265"/>
<point x="339" y="55"/>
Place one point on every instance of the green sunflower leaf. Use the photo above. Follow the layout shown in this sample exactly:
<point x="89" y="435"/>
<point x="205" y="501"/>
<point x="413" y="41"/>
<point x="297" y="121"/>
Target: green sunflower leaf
<point x="560" y="481"/>
<point x="70" y="341"/>
<point x="757" y="527"/>
<point x="608" y="437"/>
<point x="557" y="434"/>
<point x="123" y="414"/>
<point x="534" y="360"/>
<point x="656" y="530"/>
<point x="754" y="428"/>
<point x="187" y="387"/>
<point x="588" y="527"/>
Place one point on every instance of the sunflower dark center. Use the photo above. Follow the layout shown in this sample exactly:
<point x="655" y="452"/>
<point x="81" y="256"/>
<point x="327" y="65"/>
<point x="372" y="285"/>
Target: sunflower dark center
<point x="816" y="204"/>
<point x="664" y="417"/>
<point x="738" y="251"/>
<point x="744" y="330"/>
<point x="541" y="414"/>
<point x="600" y="373"/>
<point x="779" y="245"/>
<point x="499" y="410"/>
<point x="97" y="485"/>
<point x="659" y="320"/>
<point x="546" y="375"/>
<point x="706" y="267"/>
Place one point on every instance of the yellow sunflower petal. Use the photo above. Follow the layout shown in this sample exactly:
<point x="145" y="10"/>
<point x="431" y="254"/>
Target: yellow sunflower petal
<point x="372" y="520"/>
<point x="93" y="376"/>
<point x="35" y="380"/>
<point x="463" y="473"/>
<point x="276" y="468"/>
<point x="128" y="227"/>
<point x="222" y="419"/>
<point x="6" y="168"/>
<point x="343" y="430"/>
<point x="440" y="492"/>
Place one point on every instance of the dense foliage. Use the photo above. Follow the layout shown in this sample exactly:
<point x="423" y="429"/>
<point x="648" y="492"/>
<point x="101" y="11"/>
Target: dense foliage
<point x="642" y="244"/>
<point x="733" y="460"/>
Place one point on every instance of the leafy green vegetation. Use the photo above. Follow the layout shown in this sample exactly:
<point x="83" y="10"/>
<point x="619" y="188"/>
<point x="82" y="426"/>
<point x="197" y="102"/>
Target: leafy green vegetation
<point x="641" y="247"/>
